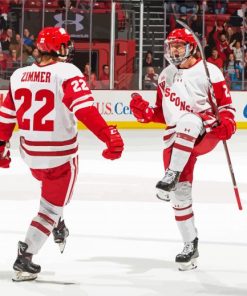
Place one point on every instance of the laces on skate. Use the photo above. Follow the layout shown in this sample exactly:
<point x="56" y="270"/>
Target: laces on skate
<point x="187" y="258"/>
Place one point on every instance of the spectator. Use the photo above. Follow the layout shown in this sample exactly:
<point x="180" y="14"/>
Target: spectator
<point x="151" y="79"/>
<point x="86" y="71"/>
<point x="105" y="77"/>
<point x="186" y="7"/>
<point x="34" y="57"/>
<point x="219" y="6"/>
<point x="27" y="38"/>
<point x="15" y="44"/>
<point x="3" y="64"/>
<point x="233" y="70"/>
<point x="6" y="38"/>
<point x="236" y="19"/>
<point x="93" y="83"/>
<point x="93" y="79"/>
<point x="216" y="59"/>
<point x="196" y="24"/>
<point x="13" y="63"/>
<point x="222" y="44"/>
<point x="148" y="60"/>
<point x="237" y="51"/>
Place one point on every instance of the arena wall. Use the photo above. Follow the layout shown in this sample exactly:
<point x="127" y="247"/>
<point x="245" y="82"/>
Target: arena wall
<point x="114" y="107"/>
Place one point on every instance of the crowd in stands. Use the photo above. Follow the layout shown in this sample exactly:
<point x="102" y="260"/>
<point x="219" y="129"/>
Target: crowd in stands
<point x="225" y="39"/>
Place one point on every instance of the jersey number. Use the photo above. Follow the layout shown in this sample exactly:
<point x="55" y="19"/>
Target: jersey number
<point x="38" y="123"/>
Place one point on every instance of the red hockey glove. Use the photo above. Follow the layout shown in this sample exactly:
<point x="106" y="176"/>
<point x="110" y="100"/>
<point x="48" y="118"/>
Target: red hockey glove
<point x="4" y="155"/>
<point x="227" y="126"/>
<point x="114" y="142"/>
<point x="140" y="108"/>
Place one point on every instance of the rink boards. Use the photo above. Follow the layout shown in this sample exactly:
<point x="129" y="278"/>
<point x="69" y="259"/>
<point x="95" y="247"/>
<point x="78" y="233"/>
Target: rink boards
<point x="113" y="105"/>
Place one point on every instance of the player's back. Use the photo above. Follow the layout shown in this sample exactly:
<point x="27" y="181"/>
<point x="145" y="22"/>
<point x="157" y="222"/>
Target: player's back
<point x="47" y="127"/>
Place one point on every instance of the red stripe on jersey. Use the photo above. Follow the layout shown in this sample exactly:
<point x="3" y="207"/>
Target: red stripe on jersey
<point x="75" y="163"/>
<point x="7" y="115"/>
<point x="47" y="218"/>
<point x="171" y="126"/>
<point x="181" y="209"/>
<point x="186" y="137"/>
<point x="50" y="153"/>
<point x="168" y="136"/>
<point x="40" y="227"/>
<point x="49" y="143"/>
<point x="183" y="218"/>
<point x="182" y="147"/>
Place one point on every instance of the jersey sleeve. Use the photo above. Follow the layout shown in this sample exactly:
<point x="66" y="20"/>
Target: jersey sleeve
<point x="158" y="111"/>
<point x="222" y="93"/>
<point x="77" y="94"/>
<point x="7" y="118"/>
<point x="79" y="100"/>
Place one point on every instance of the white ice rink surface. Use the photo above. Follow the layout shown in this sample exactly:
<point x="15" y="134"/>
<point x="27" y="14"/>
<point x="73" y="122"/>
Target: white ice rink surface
<point x="123" y="240"/>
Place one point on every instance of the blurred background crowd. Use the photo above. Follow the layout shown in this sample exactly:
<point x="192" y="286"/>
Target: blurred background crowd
<point x="121" y="46"/>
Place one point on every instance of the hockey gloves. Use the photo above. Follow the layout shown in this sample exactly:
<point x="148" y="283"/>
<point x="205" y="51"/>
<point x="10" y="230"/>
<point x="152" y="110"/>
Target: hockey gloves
<point x="227" y="126"/>
<point x="140" y="108"/>
<point x="4" y="155"/>
<point x="114" y="142"/>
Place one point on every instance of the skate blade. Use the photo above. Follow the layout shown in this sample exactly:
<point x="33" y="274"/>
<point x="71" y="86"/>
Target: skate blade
<point x="21" y="276"/>
<point x="163" y="195"/>
<point x="192" y="264"/>
<point x="61" y="246"/>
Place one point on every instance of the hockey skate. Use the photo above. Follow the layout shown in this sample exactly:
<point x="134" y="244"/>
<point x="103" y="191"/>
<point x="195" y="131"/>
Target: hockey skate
<point x="167" y="184"/>
<point x="25" y="269"/>
<point x="60" y="233"/>
<point x="187" y="258"/>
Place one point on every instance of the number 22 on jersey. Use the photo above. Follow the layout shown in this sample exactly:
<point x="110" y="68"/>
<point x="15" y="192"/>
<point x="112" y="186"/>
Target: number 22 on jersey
<point x="39" y="124"/>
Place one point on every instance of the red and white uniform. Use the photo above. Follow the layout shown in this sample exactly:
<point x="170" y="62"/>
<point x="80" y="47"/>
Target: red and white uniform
<point x="182" y="91"/>
<point x="44" y="100"/>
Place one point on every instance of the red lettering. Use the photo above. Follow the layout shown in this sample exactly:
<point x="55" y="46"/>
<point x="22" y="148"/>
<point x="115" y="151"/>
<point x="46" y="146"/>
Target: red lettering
<point x="182" y="106"/>
<point x="48" y="77"/>
<point x="167" y="92"/>
<point x="177" y="101"/>
<point x="36" y="76"/>
<point x="172" y="97"/>
<point x="23" y="76"/>
<point x="42" y="78"/>
<point x="30" y="76"/>
<point x="108" y="108"/>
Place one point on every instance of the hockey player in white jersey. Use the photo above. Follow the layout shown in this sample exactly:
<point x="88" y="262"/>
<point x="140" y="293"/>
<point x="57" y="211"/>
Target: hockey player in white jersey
<point x="45" y="100"/>
<point x="183" y="104"/>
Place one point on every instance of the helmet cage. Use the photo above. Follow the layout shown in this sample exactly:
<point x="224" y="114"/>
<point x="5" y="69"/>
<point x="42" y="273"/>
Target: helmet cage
<point x="177" y="60"/>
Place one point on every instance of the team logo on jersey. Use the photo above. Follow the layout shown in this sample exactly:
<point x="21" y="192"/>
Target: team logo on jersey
<point x="76" y="22"/>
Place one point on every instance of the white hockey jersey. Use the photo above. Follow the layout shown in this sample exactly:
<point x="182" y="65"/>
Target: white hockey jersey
<point x="43" y="101"/>
<point x="187" y="90"/>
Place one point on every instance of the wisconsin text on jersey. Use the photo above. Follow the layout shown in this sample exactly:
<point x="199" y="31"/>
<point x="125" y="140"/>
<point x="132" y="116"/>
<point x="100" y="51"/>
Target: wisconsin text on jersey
<point x="174" y="98"/>
<point x="36" y="76"/>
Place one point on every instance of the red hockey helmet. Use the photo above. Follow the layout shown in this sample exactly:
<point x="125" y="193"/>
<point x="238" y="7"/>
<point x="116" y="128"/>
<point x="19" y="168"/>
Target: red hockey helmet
<point x="52" y="39"/>
<point x="182" y="36"/>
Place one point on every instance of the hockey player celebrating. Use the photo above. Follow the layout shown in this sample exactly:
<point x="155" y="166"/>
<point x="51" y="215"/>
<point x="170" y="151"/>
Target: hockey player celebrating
<point x="183" y="104"/>
<point x="45" y="100"/>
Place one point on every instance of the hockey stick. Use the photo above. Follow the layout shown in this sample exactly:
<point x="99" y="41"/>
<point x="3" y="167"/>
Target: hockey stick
<point x="214" y="106"/>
